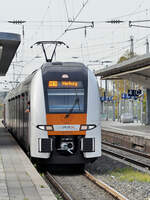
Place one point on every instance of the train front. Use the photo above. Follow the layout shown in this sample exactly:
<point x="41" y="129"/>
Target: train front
<point x="69" y="133"/>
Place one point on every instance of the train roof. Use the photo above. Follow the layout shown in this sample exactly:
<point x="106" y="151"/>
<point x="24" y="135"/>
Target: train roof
<point x="46" y="67"/>
<point x="63" y="64"/>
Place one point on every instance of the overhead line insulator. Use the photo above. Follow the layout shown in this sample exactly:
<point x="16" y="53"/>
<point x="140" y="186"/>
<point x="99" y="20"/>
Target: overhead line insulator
<point x="114" y="21"/>
<point x="17" y="22"/>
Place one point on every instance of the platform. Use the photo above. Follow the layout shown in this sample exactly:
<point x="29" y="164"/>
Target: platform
<point x="19" y="180"/>
<point x="136" y="129"/>
<point x="130" y="135"/>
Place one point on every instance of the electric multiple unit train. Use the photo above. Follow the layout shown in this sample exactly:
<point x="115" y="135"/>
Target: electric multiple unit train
<point x="55" y="114"/>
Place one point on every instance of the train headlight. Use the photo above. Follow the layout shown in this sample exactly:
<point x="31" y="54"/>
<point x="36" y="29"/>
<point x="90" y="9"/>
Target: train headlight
<point x="41" y="127"/>
<point x="49" y="128"/>
<point x="87" y="127"/>
<point x="45" y="127"/>
<point x="83" y="127"/>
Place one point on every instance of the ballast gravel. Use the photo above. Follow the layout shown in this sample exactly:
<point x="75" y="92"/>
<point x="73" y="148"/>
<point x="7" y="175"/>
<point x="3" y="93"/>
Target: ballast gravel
<point x="101" y="169"/>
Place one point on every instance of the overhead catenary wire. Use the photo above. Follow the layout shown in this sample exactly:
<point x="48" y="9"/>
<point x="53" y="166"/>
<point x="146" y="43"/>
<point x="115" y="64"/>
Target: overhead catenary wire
<point x="39" y="27"/>
<point x="64" y="21"/>
<point x="77" y="15"/>
<point x="66" y="9"/>
<point x="83" y="5"/>
<point x="49" y="21"/>
<point x="132" y="13"/>
<point x="121" y="50"/>
<point x="43" y="18"/>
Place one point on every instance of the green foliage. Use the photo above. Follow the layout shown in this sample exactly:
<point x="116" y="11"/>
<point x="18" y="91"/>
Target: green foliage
<point x="59" y="197"/>
<point x="127" y="55"/>
<point x="101" y="90"/>
<point x="144" y="103"/>
<point x="130" y="174"/>
<point x="42" y="174"/>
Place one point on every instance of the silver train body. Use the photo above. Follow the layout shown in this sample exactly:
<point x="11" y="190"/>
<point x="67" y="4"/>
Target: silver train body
<point x="55" y="114"/>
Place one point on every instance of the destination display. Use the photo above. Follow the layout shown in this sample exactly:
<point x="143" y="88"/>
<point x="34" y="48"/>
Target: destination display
<point x="65" y="84"/>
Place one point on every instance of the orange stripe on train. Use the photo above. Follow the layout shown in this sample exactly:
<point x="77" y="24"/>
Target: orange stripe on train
<point x="59" y="119"/>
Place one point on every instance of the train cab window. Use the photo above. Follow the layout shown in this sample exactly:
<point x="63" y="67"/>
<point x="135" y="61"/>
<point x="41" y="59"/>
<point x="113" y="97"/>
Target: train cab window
<point x="64" y="100"/>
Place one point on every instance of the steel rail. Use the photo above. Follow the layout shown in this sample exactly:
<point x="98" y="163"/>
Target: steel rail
<point x="127" y="150"/>
<point x="125" y="157"/>
<point x="58" y="187"/>
<point x="104" y="186"/>
<point x="115" y="194"/>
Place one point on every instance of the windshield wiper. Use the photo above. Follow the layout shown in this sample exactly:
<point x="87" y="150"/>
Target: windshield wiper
<point x="71" y="109"/>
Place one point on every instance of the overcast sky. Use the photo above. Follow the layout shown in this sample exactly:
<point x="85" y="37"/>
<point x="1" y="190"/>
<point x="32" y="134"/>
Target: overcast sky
<point x="48" y="19"/>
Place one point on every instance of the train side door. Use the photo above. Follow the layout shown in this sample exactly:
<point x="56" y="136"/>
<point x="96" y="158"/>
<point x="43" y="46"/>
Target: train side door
<point x="26" y="119"/>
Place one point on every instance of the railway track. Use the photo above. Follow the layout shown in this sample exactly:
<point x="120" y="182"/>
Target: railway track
<point x="82" y="187"/>
<point x="132" y="156"/>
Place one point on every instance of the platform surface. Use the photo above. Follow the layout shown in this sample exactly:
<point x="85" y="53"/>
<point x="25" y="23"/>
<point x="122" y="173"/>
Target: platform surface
<point x="133" y="129"/>
<point x="19" y="180"/>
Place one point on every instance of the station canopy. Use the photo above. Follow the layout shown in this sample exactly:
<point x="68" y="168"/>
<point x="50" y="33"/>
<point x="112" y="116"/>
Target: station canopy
<point x="135" y="69"/>
<point x="9" y="43"/>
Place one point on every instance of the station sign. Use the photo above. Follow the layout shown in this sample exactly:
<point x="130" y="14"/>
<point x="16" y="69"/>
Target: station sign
<point x="105" y="98"/>
<point x="134" y="93"/>
<point x="125" y="96"/>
